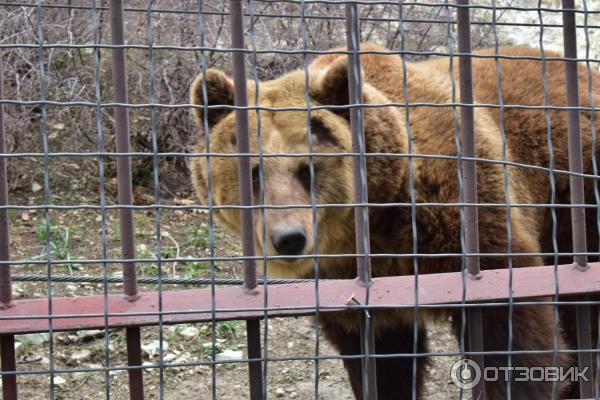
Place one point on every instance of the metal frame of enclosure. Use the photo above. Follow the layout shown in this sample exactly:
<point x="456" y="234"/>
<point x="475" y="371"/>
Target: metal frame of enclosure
<point x="254" y="299"/>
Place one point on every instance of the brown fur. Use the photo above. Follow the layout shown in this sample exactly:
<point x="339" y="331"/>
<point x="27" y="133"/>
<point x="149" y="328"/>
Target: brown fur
<point x="435" y="180"/>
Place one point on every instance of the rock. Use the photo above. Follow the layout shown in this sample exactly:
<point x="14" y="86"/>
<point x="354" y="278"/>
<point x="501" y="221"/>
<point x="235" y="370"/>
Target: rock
<point x="184" y="358"/>
<point x="153" y="348"/>
<point x="18" y="287"/>
<point x="71" y="288"/>
<point x="279" y="392"/>
<point x="227" y="355"/>
<point x="59" y="381"/>
<point x="36" y="187"/>
<point x="141" y="248"/>
<point x="189" y="332"/>
<point x="116" y="371"/>
<point x="169" y="357"/>
<point x="209" y="345"/>
<point x="82" y="335"/>
<point x="33" y="338"/>
<point x="293" y="395"/>
<point x="80" y="355"/>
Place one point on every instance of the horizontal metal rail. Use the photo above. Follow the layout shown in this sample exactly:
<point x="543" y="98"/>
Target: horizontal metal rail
<point x="194" y="305"/>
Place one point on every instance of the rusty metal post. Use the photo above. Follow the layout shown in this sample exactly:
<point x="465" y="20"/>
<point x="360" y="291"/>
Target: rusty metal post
<point x="119" y="75"/>
<point x="361" y="213"/>
<point x="5" y="280"/>
<point x="359" y="169"/>
<point x="7" y="342"/>
<point x="8" y="362"/>
<point x="245" y="191"/>
<point x="584" y="340"/>
<point x="469" y="176"/>
<point x="243" y="143"/>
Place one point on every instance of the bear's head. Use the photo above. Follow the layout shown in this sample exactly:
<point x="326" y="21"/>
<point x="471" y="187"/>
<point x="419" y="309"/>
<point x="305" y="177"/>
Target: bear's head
<point x="282" y="177"/>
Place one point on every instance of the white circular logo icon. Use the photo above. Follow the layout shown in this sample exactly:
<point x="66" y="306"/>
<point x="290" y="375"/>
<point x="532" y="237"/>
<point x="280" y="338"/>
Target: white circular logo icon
<point x="465" y="374"/>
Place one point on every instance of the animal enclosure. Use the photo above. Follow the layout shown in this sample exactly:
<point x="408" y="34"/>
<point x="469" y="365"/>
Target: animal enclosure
<point x="116" y="282"/>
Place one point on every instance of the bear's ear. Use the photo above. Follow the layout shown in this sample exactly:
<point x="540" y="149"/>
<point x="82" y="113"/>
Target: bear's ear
<point x="219" y="91"/>
<point x="332" y="86"/>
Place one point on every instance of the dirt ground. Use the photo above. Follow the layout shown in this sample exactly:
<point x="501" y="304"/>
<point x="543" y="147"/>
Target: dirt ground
<point x="185" y="233"/>
<point x="285" y="379"/>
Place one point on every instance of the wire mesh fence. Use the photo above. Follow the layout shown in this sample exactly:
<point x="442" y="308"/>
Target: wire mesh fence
<point x="386" y="167"/>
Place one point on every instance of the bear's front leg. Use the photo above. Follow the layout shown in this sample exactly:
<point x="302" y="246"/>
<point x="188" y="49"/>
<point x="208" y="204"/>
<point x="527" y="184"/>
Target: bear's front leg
<point x="394" y="374"/>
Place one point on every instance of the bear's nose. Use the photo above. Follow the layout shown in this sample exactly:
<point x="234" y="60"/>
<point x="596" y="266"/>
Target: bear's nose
<point x="289" y="241"/>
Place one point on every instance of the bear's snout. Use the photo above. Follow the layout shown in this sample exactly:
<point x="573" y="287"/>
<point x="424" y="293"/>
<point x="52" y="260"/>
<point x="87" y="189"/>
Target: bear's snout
<point x="289" y="241"/>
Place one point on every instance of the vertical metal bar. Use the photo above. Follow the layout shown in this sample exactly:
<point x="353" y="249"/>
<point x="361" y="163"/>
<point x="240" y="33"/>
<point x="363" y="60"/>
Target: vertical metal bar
<point x="261" y="200"/>
<point x="367" y="347"/>
<point x="243" y="142"/>
<point x="5" y="280"/>
<point x="7" y="359"/>
<point x="592" y="117"/>
<point x="313" y="198"/>
<point x="552" y="177"/>
<point x="245" y="190"/>
<point x="211" y="231"/>
<point x="134" y="354"/>
<point x="361" y="213"/>
<point x="469" y="175"/>
<point x="584" y="341"/>
<point x="361" y="216"/>
<point x="156" y="173"/>
<point x="574" y="144"/>
<point x="255" y="370"/>
<point x="7" y="342"/>
<point x="102" y="198"/>
<point x="123" y="162"/>
<point x="467" y="136"/>
<point x="134" y="358"/>
<point x="47" y="196"/>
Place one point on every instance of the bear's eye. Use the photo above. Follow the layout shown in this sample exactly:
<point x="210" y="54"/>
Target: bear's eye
<point x="322" y="132"/>
<point x="303" y="175"/>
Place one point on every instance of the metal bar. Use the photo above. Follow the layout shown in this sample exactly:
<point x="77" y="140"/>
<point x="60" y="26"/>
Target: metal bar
<point x="296" y="16"/>
<point x="7" y="359"/>
<point x="5" y="277"/>
<point x="367" y="347"/>
<point x="125" y="195"/>
<point x="584" y="341"/>
<point x="122" y="135"/>
<point x="243" y="142"/>
<point x="7" y="347"/>
<point x="361" y="218"/>
<point x="469" y="177"/>
<point x="468" y="138"/>
<point x="255" y="367"/>
<point x="361" y="214"/>
<point x="574" y="143"/>
<point x="195" y="305"/>
<point x="134" y="359"/>
<point x="245" y="190"/>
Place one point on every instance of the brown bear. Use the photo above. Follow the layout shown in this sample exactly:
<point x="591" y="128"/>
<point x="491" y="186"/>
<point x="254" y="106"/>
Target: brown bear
<point x="287" y="181"/>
